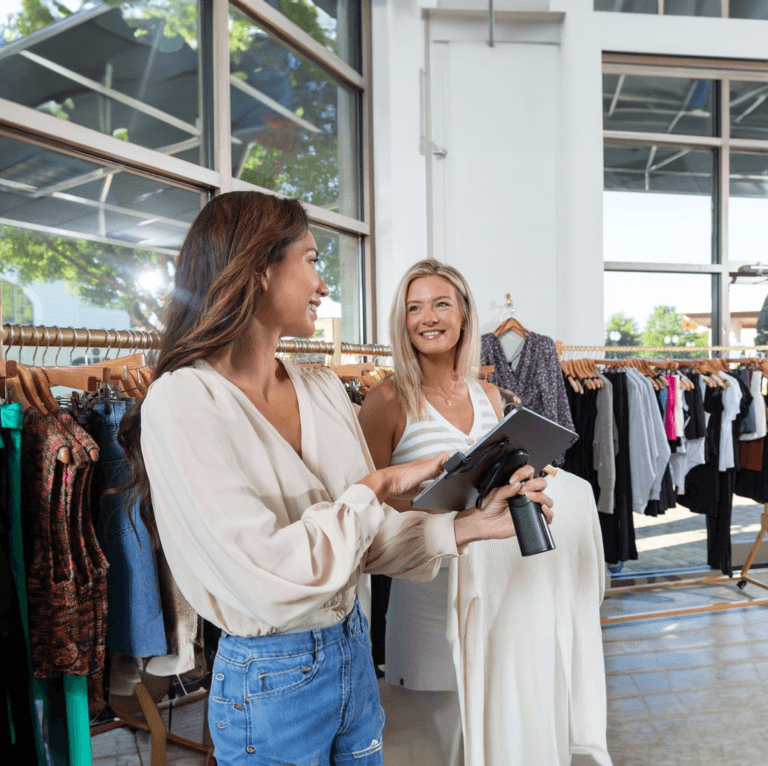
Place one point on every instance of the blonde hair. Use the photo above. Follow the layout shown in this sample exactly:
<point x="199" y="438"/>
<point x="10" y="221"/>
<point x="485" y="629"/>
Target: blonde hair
<point x="407" y="376"/>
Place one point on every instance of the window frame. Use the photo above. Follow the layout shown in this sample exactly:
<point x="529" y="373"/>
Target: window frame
<point x="32" y="126"/>
<point x="721" y="71"/>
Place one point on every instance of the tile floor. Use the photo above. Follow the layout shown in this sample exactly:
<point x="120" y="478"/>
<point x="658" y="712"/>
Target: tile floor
<point x="682" y="691"/>
<point x="692" y="690"/>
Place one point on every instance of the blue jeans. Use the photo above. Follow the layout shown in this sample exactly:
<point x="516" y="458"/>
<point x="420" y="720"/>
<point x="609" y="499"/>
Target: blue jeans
<point x="135" y="618"/>
<point x="306" y="699"/>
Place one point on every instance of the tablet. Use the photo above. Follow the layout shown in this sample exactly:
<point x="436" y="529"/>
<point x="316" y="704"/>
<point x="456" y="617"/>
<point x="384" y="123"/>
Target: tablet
<point x="455" y="489"/>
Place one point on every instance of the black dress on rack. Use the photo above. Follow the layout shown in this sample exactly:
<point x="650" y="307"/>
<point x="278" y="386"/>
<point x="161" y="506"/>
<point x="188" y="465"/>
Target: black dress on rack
<point x="618" y="528"/>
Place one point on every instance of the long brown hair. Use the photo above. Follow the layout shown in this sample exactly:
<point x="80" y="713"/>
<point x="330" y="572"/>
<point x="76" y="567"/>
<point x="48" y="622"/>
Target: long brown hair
<point x="229" y="246"/>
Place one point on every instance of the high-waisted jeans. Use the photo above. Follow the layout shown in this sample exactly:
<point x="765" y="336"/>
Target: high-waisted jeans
<point x="308" y="698"/>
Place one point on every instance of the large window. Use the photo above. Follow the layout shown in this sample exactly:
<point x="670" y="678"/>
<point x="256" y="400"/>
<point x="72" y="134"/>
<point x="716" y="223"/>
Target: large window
<point x="685" y="210"/>
<point x="120" y="119"/>
<point x="733" y="9"/>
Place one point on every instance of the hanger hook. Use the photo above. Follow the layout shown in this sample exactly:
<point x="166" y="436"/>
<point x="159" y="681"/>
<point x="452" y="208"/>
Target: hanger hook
<point x="10" y="338"/>
<point x="119" y="338"/>
<point x="88" y="341"/>
<point x="21" y="340"/>
<point x="37" y="345"/>
<point x="108" y="341"/>
<point x="60" y="340"/>
<point x="74" y="343"/>
<point x="47" y="344"/>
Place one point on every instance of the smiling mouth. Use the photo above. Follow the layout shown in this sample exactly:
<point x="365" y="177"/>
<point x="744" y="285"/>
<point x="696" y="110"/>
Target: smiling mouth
<point x="432" y="334"/>
<point x="313" y="308"/>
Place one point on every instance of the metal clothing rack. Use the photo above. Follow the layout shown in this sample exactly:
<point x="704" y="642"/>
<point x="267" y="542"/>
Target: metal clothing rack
<point x="38" y="336"/>
<point x="669" y="352"/>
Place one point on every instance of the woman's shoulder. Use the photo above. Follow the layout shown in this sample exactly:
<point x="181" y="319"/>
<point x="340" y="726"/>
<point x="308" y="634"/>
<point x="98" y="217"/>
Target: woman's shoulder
<point x="184" y="387"/>
<point x="381" y="409"/>
<point x="493" y="394"/>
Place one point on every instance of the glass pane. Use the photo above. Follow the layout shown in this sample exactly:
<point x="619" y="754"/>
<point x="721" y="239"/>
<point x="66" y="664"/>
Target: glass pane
<point x="628" y="6"/>
<point x="692" y="8"/>
<point x="645" y="309"/>
<point x="748" y="9"/>
<point x="749" y="110"/>
<point x="294" y="130"/>
<point x="142" y="55"/>
<point x="748" y="208"/>
<point x="748" y="301"/>
<point x="657" y="104"/>
<point x="657" y="206"/>
<point x="89" y="245"/>
<point x="339" y="266"/>
<point x="335" y="24"/>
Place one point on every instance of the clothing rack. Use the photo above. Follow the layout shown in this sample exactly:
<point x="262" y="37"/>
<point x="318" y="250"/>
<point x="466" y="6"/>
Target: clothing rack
<point x="666" y="351"/>
<point x="669" y="352"/>
<point x="38" y="336"/>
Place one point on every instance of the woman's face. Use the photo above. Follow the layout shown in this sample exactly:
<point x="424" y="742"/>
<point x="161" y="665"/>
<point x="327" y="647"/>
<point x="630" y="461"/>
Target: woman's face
<point x="433" y="315"/>
<point x="293" y="290"/>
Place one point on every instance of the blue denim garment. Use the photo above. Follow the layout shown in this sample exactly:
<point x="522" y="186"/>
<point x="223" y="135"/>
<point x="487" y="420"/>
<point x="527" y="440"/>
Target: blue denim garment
<point x="135" y="617"/>
<point x="308" y="698"/>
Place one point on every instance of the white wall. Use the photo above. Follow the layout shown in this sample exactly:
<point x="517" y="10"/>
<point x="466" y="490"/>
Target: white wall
<point x="566" y="304"/>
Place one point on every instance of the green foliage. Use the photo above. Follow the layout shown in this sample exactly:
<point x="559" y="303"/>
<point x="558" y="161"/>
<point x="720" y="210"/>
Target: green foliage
<point x="664" y="325"/>
<point x="99" y="274"/>
<point x="626" y="326"/>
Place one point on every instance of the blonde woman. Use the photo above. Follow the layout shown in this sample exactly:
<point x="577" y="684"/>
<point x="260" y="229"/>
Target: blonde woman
<point x="499" y="623"/>
<point x="432" y="403"/>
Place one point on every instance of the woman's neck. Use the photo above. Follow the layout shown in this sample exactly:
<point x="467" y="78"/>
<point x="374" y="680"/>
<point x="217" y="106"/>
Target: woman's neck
<point x="438" y="370"/>
<point x="250" y="361"/>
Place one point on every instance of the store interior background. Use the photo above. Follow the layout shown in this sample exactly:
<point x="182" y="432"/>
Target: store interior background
<point x="491" y="158"/>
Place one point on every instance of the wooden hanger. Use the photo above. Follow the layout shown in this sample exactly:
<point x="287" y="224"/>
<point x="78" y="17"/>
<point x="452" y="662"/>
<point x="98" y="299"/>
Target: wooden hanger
<point x="510" y="324"/>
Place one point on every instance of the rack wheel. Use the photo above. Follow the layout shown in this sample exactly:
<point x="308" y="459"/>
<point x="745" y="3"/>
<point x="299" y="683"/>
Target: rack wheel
<point x="742" y="584"/>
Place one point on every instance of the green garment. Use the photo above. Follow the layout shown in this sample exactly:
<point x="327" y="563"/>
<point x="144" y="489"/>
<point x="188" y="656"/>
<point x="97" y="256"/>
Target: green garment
<point x="11" y="421"/>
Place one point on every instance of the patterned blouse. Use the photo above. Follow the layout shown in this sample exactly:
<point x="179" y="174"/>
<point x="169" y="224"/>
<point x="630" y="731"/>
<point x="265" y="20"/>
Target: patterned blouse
<point x="537" y="379"/>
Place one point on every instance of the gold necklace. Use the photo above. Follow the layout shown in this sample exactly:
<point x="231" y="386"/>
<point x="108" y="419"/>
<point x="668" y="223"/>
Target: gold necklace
<point x="442" y="394"/>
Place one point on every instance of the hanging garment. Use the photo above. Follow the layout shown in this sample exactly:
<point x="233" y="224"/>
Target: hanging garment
<point x="618" y="529"/>
<point x="690" y="452"/>
<point x="752" y="482"/>
<point x="66" y="581"/>
<point x="670" y="422"/>
<point x="750" y="422"/>
<point x="605" y="445"/>
<point x="527" y="642"/>
<point x="135" y="622"/>
<point x="758" y="403"/>
<point x="20" y="678"/>
<point x="732" y="397"/>
<point x="537" y="378"/>
<point x="580" y="457"/>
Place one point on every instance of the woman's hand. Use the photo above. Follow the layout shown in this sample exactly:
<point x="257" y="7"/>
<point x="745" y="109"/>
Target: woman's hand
<point x="401" y="480"/>
<point x="494" y="521"/>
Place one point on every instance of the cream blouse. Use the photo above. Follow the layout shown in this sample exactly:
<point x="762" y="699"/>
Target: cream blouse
<point x="259" y="539"/>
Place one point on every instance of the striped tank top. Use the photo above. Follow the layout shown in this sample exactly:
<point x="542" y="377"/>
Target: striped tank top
<point x="425" y="438"/>
<point x="418" y="656"/>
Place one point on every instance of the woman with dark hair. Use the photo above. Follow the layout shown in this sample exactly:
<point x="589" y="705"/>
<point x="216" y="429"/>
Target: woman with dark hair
<point x="264" y="496"/>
